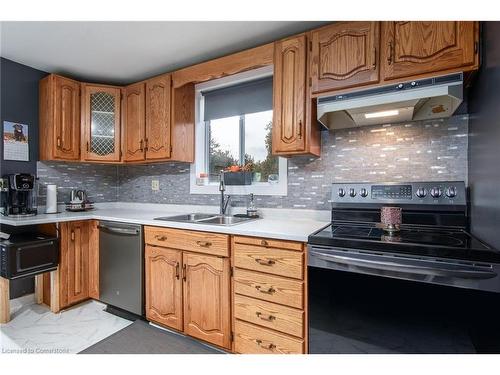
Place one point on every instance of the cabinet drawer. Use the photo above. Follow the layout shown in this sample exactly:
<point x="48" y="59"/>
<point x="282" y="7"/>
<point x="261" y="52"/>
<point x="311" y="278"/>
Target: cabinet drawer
<point x="276" y="261"/>
<point x="280" y="318"/>
<point x="265" y="242"/>
<point x="269" y="288"/>
<point x="250" y="339"/>
<point x="200" y="242"/>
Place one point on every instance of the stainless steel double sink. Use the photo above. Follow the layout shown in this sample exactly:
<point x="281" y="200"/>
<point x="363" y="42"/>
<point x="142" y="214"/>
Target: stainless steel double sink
<point x="209" y="219"/>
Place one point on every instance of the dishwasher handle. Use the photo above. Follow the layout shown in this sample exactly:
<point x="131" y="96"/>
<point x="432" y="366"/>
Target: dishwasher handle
<point x="119" y="230"/>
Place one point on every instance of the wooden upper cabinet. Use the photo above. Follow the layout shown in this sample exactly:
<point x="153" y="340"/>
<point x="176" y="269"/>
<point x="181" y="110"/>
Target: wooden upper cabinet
<point x="206" y="298"/>
<point x="343" y="55"/>
<point x="164" y="286"/>
<point x="289" y="95"/>
<point x="134" y="129"/>
<point x="101" y="123"/>
<point x="411" y="48"/>
<point x="158" y="117"/>
<point x="59" y="118"/>
<point x="295" y="130"/>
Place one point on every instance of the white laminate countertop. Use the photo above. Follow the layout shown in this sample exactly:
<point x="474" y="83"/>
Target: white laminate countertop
<point x="284" y="224"/>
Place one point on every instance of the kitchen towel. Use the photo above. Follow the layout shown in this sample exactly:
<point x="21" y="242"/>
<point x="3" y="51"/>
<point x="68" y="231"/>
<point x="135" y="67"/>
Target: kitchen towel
<point x="51" y="206"/>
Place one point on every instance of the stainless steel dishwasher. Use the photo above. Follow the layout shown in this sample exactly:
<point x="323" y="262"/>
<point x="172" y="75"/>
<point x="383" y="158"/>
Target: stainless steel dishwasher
<point x="121" y="268"/>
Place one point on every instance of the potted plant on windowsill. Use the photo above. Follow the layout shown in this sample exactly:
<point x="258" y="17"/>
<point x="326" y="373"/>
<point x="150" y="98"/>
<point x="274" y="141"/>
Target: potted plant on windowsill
<point x="237" y="175"/>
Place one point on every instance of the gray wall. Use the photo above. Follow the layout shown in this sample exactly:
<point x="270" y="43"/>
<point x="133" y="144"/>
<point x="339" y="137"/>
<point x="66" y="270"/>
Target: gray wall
<point x="426" y="150"/>
<point x="484" y="138"/>
<point x="19" y="102"/>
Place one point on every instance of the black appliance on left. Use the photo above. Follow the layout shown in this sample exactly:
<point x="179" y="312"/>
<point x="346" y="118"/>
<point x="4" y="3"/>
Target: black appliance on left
<point x="26" y="253"/>
<point x="18" y="195"/>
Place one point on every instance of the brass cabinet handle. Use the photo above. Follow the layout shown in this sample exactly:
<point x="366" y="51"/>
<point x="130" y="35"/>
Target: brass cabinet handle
<point x="268" y="318"/>
<point x="140" y="145"/>
<point x="269" y="346"/>
<point x="389" y="56"/>
<point x="184" y="276"/>
<point x="264" y="243"/>
<point x="146" y="144"/>
<point x="161" y="237"/>
<point x="58" y="142"/>
<point x="374" y="58"/>
<point x="72" y="235"/>
<point x="204" y="243"/>
<point x="270" y="290"/>
<point x="177" y="270"/>
<point x="265" y="262"/>
<point x="300" y="129"/>
<point x="88" y="147"/>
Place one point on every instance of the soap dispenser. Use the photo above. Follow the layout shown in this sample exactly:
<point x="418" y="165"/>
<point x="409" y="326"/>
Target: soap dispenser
<point x="251" y="209"/>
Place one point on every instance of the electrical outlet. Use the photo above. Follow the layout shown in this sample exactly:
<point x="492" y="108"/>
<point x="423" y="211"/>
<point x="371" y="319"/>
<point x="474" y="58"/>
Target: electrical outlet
<point x="155" y="185"/>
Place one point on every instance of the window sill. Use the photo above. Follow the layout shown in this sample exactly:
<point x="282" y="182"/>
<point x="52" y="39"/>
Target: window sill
<point x="262" y="188"/>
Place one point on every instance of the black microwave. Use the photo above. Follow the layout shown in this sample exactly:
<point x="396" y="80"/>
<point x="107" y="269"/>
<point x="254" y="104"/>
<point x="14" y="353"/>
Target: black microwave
<point x="28" y="254"/>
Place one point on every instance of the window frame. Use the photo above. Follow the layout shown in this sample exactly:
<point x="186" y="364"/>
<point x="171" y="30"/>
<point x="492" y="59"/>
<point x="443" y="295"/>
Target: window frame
<point x="201" y="143"/>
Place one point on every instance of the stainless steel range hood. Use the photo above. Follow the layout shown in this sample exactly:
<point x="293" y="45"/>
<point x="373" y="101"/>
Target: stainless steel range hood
<point x="424" y="99"/>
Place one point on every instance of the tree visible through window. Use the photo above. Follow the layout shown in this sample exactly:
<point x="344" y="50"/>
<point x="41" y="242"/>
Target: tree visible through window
<point x="239" y="140"/>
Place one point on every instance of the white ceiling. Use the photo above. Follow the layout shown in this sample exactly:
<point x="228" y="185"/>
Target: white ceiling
<point x="125" y="52"/>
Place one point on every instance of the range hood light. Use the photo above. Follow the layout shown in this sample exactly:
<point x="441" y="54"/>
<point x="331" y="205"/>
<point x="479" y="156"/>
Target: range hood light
<point x="392" y="112"/>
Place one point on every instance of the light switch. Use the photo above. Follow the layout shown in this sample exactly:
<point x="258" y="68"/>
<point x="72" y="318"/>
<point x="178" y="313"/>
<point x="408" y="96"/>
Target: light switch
<point x="155" y="185"/>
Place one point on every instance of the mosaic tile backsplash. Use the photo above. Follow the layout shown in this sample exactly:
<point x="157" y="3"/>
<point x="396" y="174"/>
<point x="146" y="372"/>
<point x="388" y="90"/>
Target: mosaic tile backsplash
<point x="416" y="151"/>
<point x="99" y="180"/>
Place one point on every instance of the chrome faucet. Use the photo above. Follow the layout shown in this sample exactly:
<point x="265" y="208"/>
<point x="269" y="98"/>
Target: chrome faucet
<point x="223" y="200"/>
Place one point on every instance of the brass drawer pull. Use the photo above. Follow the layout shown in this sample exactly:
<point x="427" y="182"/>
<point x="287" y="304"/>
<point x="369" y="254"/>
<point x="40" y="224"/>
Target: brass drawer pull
<point x="270" y="346"/>
<point x="177" y="270"/>
<point x="141" y="148"/>
<point x="264" y="243"/>
<point x="72" y="235"/>
<point x="161" y="238"/>
<point x="268" y="318"/>
<point x="204" y="243"/>
<point x="270" y="290"/>
<point x="184" y="276"/>
<point x="58" y="142"/>
<point x="265" y="262"/>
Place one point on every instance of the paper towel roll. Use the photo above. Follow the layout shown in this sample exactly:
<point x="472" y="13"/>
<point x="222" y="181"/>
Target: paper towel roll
<point x="51" y="205"/>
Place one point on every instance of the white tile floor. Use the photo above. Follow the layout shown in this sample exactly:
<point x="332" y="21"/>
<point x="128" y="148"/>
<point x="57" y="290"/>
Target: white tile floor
<point x="34" y="329"/>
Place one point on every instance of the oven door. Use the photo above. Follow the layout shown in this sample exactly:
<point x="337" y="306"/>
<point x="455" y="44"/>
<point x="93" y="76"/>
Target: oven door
<point x="361" y="302"/>
<point x="30" y="259"/>
<point x="440" y="271"/>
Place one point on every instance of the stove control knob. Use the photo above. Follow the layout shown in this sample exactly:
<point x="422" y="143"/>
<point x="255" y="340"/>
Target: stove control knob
<point x="451" y="192"/>
<point x="341" y="192"/>
<point x="352" y="192"/>
<point x="436" y="192"/>
<point x="363" y="192"/>
<point x="421" y="192"/>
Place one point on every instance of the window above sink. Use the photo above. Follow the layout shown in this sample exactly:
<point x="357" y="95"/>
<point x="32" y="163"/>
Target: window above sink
<point x="233" y="127"/>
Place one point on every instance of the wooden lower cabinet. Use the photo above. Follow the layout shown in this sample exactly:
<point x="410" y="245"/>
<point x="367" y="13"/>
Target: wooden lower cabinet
<point x="164" y="286"/>
<point x="270" y="315"/>
<point x="78" y="272"/>
<point x="269" y="296"/>
<point x="186" y="290"/>
<point x="206" y="298"/>
<point x="252" y="339"/>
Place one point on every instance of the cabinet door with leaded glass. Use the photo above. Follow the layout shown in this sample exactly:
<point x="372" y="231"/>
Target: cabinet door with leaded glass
<point x="101" y="114"/>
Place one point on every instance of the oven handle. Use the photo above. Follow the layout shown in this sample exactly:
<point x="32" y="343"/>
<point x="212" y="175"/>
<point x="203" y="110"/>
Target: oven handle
<point x="464" y="273"/>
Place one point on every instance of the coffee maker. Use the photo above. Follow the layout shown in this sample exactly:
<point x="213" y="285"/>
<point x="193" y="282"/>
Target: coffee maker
<point x="20" y="199"/>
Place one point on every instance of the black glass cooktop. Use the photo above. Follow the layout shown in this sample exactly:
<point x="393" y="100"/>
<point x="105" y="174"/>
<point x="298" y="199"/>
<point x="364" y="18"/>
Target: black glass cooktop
<point x="456" y="244"/>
